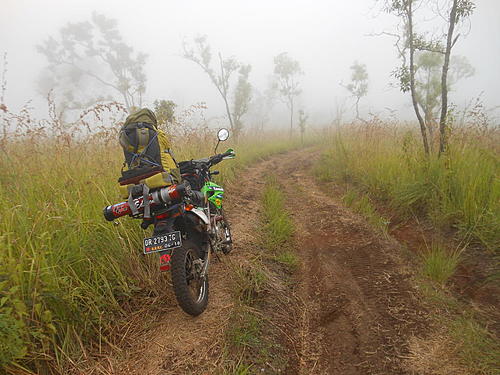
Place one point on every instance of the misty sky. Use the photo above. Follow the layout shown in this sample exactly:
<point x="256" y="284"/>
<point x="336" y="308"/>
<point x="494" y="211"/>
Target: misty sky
<point x="325" y="36"/>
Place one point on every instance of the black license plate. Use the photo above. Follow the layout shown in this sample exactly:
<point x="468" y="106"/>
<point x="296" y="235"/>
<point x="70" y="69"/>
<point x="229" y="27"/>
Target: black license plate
<point x="162" y="242"/>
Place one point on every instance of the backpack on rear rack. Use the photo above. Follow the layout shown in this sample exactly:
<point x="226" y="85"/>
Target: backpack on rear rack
<point x="149" y="163"/>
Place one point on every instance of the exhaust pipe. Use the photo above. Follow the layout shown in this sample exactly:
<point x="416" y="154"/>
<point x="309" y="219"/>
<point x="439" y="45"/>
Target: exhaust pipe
<point x="170" y="194"/>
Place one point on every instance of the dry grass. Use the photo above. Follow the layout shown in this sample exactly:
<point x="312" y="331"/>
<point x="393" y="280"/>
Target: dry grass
<point x="434" y="356"/>
<point x="470" y="350"/>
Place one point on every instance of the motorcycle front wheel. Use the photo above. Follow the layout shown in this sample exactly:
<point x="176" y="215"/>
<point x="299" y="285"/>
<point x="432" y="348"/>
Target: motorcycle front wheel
<point x="191" y="291"/>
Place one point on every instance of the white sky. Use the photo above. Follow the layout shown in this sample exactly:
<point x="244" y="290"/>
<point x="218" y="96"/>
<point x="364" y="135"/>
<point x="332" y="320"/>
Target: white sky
<point x="325" y="36"/>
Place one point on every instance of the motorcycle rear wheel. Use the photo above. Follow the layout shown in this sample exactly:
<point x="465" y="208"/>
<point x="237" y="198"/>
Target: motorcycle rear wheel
<point x="190" y="290"/>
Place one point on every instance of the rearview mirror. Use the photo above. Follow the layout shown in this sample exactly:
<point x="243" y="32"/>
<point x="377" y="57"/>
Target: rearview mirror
<point x="223" y="135"/>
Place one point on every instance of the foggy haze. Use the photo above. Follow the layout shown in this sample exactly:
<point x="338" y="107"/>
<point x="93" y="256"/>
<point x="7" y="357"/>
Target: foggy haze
<point x="326" y="37"/>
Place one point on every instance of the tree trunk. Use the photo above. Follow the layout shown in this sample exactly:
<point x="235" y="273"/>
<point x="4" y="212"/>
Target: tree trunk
<point x="291" y="117"/>
<point x="223" y="91"/>
<point x="444" y="77"/>
<point x="430" y="127"/>
<point x="357" y="108"/>
<point x="125" y="98"/>
<point x="229" y="114"/>
<point x="428" y="113"/>
<point x="412" y="78"/>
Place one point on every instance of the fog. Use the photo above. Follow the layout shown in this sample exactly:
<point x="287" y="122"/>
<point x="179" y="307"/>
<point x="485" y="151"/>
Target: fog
<point x="326" y="37"/>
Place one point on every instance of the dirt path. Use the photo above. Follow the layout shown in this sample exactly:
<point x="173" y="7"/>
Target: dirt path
<point x="359" y="307"/>
<point x="355" y="308"/>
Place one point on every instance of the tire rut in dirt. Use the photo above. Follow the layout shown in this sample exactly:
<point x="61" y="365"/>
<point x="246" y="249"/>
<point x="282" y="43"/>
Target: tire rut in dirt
<point x="362" y="307"/>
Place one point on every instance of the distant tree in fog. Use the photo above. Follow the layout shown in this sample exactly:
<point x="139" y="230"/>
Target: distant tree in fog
<point x="261" y="106"/>
<point x="201" y="54"/>
<point x="408" y="42"/>
<point x="302" y="124"/>
<point x="89" y="61"/>
<point x="164" y="111"/>
<point x="340" y="110"/>
<point x="287" y="71"/>
<point x="359" y="84"/>
<point x="428" y="67"/>
<point x="3" y="83"/>
<point x="242" y="97"/>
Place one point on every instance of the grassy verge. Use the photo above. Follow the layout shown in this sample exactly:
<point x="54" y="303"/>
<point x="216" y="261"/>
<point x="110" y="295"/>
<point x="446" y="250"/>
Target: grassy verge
<point x="253" y="343"/>
<point x="362" y="205"/>
<point x="460" y="190"/>
<point x="278" y="226"/>
<point x="65" y="273"/>
<point x="249" y="343"/>
<point x="459" y="195"/>
<point x="439" y="263"/>
<point x="460" y="342"/>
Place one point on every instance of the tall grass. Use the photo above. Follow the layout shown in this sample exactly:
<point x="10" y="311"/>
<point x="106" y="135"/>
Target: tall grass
<point x="64" y="271"/>
<point x="278" y="227"/>
<point x="459" y="190"/>
<point x="363" y="206"/>
<point x="439" y="263"/>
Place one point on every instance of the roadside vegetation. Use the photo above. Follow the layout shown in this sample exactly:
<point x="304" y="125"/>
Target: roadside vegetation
<point x="458" y="196"/>
<point x="459" y="190"/>
<point x="253" y="341"/>
<point x="278" y="227"/>
<point x="362" y="205"/>
<point x="65" y="273"/>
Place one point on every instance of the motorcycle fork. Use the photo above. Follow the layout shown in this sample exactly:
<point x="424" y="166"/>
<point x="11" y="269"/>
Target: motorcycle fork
<point x="210" y="229"/>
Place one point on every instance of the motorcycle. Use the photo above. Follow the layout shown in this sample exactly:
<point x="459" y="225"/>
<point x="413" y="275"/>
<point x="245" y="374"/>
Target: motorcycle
<point x="189" y="227"/>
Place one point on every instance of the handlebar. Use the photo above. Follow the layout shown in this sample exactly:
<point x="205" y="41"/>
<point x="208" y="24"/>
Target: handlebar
<point x="215" y="159"/>
<point x="219" y="157"/>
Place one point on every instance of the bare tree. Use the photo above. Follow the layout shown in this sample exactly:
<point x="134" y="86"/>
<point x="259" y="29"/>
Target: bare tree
<point x="406" y="73"/>
<point x="340" y="110"/>
<point x="3" y="83"/>
<point x="242" y="98"/>
<point x="286" y="71"/>
<point x="302" y="124"/>
<point x="359" y="84"/>
<point x="201" y="54"/>
<point x="92" y="52"/>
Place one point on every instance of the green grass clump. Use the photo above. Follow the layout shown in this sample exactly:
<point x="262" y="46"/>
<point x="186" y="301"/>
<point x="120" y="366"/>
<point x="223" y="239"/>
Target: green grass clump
<point x="250" y="282"/>
<point x="245" y="330"/>
<point x="278" y="225"/>
<point x="439" y="264"/>
<point x="477" y="348"/>
<point x="238" y="369"/>
<point x="11" y="342"/>
<point x="363" y="206"/>
<point x="288" y="258"/>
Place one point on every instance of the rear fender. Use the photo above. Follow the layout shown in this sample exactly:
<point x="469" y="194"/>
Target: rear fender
<point x="200" y="214"/>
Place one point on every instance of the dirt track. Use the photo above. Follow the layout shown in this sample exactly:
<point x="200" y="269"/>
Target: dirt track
<point x="354" y="308"/>
<point x="361" y="309"/>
